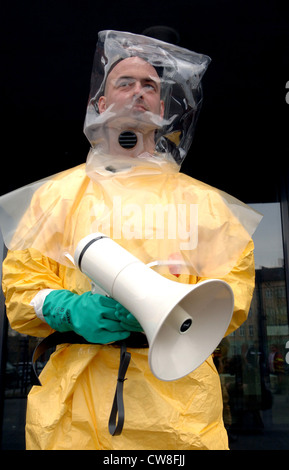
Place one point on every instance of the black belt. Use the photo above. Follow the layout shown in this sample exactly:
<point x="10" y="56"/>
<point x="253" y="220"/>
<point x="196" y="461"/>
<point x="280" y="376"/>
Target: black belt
<point x="135" y="340"/>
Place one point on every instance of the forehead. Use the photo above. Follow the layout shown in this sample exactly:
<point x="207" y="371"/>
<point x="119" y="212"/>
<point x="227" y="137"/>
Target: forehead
<point x="133" y="67"/>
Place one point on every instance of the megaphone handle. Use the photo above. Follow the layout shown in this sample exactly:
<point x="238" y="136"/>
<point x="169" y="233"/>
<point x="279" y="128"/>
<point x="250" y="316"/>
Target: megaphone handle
<point x="117" y="410"/>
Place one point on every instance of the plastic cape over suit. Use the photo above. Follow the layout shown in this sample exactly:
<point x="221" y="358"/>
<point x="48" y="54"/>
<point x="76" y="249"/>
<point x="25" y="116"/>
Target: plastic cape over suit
<point x="71" y="409"/>
<point x="164" y="217"/>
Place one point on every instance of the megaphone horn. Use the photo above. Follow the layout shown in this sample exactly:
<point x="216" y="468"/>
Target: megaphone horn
<point x="183" y="323"/>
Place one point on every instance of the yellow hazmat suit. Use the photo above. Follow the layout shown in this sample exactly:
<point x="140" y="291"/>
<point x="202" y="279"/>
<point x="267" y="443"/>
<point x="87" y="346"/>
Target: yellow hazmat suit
<point x="71" y="408"/>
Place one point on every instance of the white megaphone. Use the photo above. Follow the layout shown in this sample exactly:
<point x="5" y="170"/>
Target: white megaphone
<point x="183" y="323"/>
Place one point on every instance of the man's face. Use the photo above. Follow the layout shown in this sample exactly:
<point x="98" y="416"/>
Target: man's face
<point x="135" y="84"/>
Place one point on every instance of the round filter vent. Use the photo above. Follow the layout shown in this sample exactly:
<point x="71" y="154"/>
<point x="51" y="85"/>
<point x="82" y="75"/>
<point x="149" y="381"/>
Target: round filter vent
<point x="127" y="140"/>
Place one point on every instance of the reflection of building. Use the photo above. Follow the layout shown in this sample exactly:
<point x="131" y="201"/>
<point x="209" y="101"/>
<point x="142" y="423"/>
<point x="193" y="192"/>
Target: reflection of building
<point x="272" y="292"/>
<point x="254" y="371"/>
<point x="267" y="322"/>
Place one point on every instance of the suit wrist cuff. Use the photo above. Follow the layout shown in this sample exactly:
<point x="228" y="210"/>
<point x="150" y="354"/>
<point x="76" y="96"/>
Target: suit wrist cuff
<point x="38" y="301"/>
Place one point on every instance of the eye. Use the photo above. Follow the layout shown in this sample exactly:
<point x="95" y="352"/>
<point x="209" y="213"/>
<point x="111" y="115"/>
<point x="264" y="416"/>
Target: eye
<point x="124" y="82"/>
<point x="150" y="86"/>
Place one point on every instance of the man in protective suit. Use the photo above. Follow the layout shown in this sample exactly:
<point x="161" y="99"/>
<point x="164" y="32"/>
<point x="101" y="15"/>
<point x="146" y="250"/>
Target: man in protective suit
<point x="45" y="292"/>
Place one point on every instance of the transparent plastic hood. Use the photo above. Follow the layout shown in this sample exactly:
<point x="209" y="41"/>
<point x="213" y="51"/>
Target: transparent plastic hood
<point x="144" y="101"/>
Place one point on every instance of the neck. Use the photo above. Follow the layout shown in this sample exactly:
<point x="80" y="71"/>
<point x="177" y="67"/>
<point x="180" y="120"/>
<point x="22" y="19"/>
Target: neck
<point x="129" y="142"/>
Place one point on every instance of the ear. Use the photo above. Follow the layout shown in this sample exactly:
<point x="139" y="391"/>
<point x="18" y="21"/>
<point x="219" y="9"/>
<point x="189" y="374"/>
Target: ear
<point x="102" y="104"/>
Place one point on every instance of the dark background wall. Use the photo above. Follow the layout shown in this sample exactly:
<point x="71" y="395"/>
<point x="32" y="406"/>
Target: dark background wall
<point x="241" y="141"/>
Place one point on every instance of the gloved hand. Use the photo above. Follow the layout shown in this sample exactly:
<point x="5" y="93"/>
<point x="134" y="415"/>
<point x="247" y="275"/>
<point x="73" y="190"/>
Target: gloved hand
<point x="97" y="318"/>
<point x="127" y="320"/>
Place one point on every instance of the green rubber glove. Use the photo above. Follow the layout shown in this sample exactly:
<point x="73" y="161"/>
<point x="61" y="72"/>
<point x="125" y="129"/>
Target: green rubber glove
<point x="96" y="318"/>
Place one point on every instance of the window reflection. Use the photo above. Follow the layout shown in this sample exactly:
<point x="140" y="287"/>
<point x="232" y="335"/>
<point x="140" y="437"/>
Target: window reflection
<point x="251" y="361"/>
<point x="18" y="366"/>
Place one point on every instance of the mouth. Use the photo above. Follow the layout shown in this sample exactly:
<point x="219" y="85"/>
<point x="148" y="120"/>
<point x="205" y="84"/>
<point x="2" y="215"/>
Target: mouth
<point x="139" y="107"/>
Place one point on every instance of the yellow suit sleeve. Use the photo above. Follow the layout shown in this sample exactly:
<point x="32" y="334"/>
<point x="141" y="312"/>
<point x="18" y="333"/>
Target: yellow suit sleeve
<point x="25" y="273"/>
<point x="242" y="281"/>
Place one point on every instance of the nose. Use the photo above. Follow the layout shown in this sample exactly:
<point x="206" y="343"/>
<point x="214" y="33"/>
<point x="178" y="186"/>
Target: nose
<point x="138" y="90"/>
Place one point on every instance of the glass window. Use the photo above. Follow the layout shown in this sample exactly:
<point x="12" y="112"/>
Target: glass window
<point x="254" y="360"/>
<point x="17" y="385"/>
